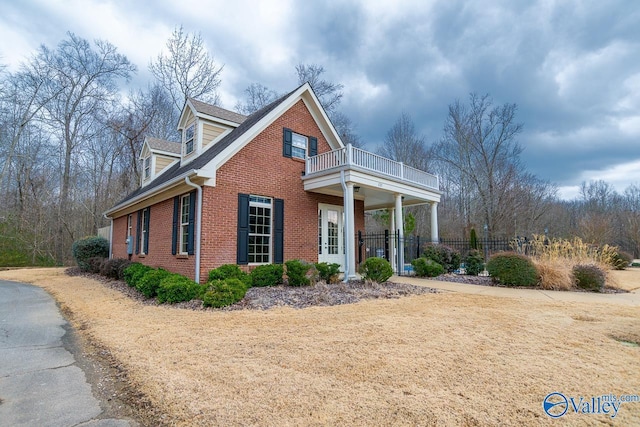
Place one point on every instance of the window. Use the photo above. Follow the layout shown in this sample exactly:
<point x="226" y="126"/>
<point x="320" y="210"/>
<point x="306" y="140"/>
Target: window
<point x="144" y="234"/>
<point x="259" y="229"/>
<point x="298" y="146"/>
<point x="147" y="167"/>
<point x="189" y="134"/>
<point x="185" y="203"/>
<point x="129" y="225"/>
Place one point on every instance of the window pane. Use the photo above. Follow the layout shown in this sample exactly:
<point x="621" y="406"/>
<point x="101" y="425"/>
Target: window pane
<point x="259" y="229"/>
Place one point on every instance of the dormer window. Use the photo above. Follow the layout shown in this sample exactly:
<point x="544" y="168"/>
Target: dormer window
<point x="189" y="134"/>
<point x="147" y="167"/>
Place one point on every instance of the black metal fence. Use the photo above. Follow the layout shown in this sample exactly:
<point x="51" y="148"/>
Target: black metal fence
<point x="382" y="245"/>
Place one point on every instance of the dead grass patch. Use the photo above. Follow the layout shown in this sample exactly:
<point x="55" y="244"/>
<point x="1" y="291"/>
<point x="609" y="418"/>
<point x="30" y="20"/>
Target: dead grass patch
<point x="435" y="359"/>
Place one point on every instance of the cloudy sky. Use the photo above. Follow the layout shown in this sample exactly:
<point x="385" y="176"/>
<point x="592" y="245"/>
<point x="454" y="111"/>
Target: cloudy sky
<point x="572" y="67"/>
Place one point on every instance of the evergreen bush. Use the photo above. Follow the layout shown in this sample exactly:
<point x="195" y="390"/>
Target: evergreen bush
<point x="376" y="270"/>
<point x="297" y="272"/>
<point x="425" y="267"/>
<point x="447" y="257"/>
<point x="221" y="293"/>
<point x="150" y="282"/>
<point x="177" y="288"/>
<point x="89" y="247"/>
<point x="134" y="272"/>
<point x="474" y="263"/>
<point x="267" y="275"/>
<point x="512" y="269"/>
<point x="589" y="277"/>
<point x="330" y="273"/>
<point x="229" y="271"/>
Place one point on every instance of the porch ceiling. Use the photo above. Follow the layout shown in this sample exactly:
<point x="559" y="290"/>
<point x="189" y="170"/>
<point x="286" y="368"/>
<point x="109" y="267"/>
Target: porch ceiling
<point x="377" y="190"/>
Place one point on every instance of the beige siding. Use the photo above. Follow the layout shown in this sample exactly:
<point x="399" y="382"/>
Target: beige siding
<point x="210" y="132"/>
<point x="162" y="162"/>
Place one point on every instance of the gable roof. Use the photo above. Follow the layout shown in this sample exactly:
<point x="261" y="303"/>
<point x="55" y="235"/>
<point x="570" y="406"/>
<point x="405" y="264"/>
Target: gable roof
<point x="215" y="111"/>
<point x="233" y="141"/>
<point x="177" y="170"/>
<point x="164" y="145"/>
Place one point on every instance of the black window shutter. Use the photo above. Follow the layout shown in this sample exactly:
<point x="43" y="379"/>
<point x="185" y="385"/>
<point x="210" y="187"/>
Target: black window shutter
<point x="286" y="142"/>
<point x="278" y="238"/>
<point x="174" y="231"/>
<point x="243" y="229"/>
<point x="138" y="230"/>
<point x="192" y="216"/>
<point x="313" y="146"/>
<point x="146" y="227"/>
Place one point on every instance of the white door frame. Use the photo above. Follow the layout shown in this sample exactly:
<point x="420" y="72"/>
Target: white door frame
<point x="331" y="252"/>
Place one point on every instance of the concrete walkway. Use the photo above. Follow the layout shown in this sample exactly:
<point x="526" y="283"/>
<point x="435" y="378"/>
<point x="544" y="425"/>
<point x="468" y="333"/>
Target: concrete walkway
<point x="40" y="381"/>
<point x="631" y="298"/>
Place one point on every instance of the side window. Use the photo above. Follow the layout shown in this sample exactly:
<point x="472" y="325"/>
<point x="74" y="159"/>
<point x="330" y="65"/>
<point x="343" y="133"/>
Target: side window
<point x="147" y="167"/>
<point x="189" y="136"/>
<point x="184" y="223"/>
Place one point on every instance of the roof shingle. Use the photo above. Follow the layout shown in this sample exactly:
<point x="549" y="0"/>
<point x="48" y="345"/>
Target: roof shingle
<point x="215" y="111"/>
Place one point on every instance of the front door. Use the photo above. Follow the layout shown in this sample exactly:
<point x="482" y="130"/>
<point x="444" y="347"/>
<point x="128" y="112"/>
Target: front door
<point x="330" y="234"/>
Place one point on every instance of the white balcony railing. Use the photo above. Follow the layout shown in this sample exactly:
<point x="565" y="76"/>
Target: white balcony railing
<point x="352" y="156"/>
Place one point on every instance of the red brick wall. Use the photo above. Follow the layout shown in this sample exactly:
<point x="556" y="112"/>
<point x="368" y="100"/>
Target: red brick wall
<point x="160" y="229"/>
<point x="260" y="169"/>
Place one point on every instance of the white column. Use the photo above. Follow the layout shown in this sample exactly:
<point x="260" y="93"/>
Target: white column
<point x="351" y="234"/>
<point x="434" y="222"/>
<point x="392" y="245"/>
<point x="400" y="230"/>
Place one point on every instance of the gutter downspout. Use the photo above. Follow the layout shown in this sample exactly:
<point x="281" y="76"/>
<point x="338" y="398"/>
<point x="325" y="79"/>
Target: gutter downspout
<point x="198" y="224"/>
<point x="110" y="235"/>
<point x="345" y="226"/>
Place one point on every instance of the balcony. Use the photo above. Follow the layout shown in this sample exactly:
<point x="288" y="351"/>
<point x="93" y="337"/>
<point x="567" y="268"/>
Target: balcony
<point x="354" y="158"/>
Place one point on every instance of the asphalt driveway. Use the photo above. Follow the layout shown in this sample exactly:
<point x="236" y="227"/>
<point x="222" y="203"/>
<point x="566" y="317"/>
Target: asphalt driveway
<point x="41" y="383"/>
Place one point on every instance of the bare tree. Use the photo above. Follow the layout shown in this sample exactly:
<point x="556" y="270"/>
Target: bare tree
<point x="83" y="80"/>
<point x="345" y="128"/>
<point x="258" y="96"/>
<point x="187" y="70"/>
<point x="403" y="144"/>
<point x="329" y="94"/>
<point x="480" y="145"/>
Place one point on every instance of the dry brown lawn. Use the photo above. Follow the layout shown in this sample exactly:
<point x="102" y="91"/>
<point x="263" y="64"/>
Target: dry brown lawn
<point x="436" y="359"/>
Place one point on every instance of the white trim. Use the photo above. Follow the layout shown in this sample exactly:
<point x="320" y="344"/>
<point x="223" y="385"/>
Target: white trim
<point x="198" y="229"/>
<point x="303" y="93"/>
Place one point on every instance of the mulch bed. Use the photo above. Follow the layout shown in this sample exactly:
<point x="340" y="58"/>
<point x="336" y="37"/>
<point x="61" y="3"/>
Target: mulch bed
<point x="320" y="294"/>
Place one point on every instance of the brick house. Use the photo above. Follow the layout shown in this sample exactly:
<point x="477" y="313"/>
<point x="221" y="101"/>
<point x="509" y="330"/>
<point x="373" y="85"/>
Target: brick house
<point x="259" y="189"/>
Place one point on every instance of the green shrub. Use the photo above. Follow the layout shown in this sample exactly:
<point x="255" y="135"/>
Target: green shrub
<point x="134" y="272"/>
<point x="150" y="282"/>
<point x="635" y="264"/>
<point x="89" y="247"/>
<point x="426" y="267"/>
<point x="94" y="264"/>
<point x="330" y="273"/>
<point x="589" y="277"/>
<point x="447" y="257"/>
<point x="512" y="269"/>
<point x="298" y="271"/>
<point x="474" y="263"/>
<point x="620" y="260"/>
<point x="229" y="271"/>
<point x="221" y="293"/>
<point x="267" y="275"/>
<point x="177" y="288"/>
<point x="376" y="269"/>
<point x="112" y="268"/>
